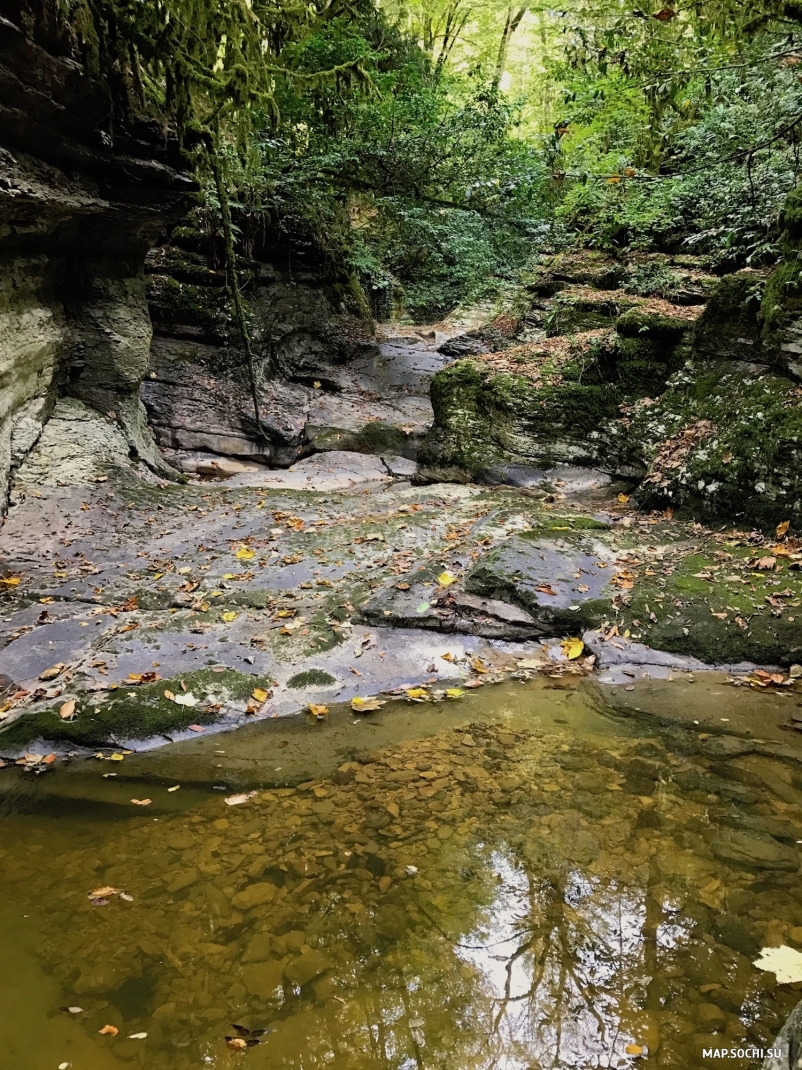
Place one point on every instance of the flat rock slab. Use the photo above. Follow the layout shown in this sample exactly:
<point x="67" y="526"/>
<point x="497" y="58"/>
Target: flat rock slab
<point x="416" y="601"/>
<point x="336" y="470"/>
<point x="567" y="479"/>
<point x="546" y="577"/>
<point x="385" y="659"/>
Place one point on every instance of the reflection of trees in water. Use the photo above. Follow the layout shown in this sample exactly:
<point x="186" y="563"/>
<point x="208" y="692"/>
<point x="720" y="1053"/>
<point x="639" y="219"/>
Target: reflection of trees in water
<point x="513" y="969"/>
<point x="572" y="962"/>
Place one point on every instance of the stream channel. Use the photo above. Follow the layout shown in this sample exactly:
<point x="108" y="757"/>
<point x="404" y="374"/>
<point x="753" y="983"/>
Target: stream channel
<point x="524" y="878"/>
<point x="510" y="860"/>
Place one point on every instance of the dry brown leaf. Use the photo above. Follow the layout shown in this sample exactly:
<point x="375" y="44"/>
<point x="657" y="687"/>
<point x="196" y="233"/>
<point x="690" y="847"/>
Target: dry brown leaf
<point x="67" y="711"/>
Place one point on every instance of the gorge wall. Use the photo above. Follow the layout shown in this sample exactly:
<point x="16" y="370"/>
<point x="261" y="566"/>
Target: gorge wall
<point x="88" y="264"/>
<point x="81" y="202"/>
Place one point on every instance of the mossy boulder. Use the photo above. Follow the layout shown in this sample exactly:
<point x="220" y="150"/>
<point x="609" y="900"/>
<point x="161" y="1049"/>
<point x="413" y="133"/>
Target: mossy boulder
<point x="729" y="327"/>
<point x="561" y="410"/>
<point x="646" y="363"/>
<point x="375" y="438"/>
<point x="484" y="419"/>
<point x="571" y="314"/>
<point x="781" y="307"/>
<point x="587" y="267"/>
<point x="724" y="441"/>
<point x="643" y="322"/>
<point x="538" y="570"/>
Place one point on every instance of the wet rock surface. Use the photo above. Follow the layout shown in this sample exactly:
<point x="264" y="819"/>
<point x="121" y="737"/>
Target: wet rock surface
<point x="120" y="590"/>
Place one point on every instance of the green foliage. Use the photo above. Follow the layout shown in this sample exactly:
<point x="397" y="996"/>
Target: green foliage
<point x="652" y="279"/>
<point x="426" y="197"/>
<point x="382" y="135"/>
<point x="707" y="194"/>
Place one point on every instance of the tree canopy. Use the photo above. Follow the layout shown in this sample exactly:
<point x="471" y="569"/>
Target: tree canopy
<point x="433" y="148"/>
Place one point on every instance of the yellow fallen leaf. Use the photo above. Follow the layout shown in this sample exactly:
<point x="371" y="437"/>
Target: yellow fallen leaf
<point x="623" y="498"/>
<point x="448" y="656"/>
<point x="117" y="757"/>
<point x="445" y="579"/>
<point x="784" y="962"/>
<point x="228" y="616"/>
<point x="572" y="648"/>
<point x="478" y="665"/>
<point x="417" y="694"/>
<point x="633" y="1049"/>
<point x="169" y="695"/>
<point x="318" y="709"/>
<point x="102" y="893"/>
<point x="260" y="694"/>
<point x="244" y="554"/>
<point x="454" y="692"/>
<point x="186" y="700"/>
<point x="109" y="1030"/>
<point x="782" y="528"/>
<point x="67" y="710"/>
<point x="52" y="672"/>
<point x="9" y="581"/>
<point x="365" y="705"/>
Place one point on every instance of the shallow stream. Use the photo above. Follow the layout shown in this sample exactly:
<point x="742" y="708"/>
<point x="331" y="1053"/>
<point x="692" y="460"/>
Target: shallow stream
<point x="515" y="880"/>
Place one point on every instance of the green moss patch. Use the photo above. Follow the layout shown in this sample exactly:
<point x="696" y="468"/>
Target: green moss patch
<point x="716" y="609"/>
<point x="482" y="420"/>
<point x="639" y="321"/>
<point x="130" y="713"/>
<point x="311" y="678"/>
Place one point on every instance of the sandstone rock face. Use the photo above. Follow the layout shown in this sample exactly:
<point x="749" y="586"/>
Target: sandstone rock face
<point x="80" y="205"/>
<point x="323" y="381"/>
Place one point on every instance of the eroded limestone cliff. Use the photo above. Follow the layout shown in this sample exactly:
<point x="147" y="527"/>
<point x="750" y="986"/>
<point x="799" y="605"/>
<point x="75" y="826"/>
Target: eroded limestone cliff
<point x="81" y="203"/>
